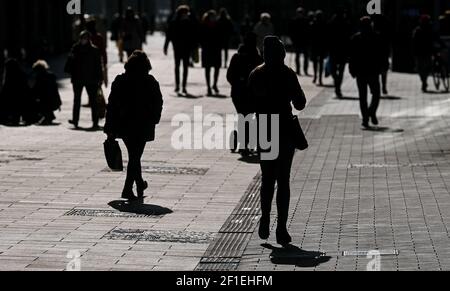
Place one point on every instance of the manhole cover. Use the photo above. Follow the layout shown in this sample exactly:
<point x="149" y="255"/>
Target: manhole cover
<point x="160" y="236"/>
<point x="380" y="166"/>
<point x="365" y="253"/>
<point x="107" y="213"/>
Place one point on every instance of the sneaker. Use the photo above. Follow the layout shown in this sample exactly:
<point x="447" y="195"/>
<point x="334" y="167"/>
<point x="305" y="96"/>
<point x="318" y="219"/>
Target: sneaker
<point x="75" y="124"/>
<point x="374" y="119"/>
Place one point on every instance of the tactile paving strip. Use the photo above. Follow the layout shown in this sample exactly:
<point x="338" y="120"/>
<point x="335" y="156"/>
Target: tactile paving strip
<point x="225" y="253"/>
<point x="166" y="170"/>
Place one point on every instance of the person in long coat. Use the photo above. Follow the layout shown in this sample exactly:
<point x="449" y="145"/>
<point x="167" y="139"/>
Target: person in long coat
<point x="211" y="49"/>
<point x="134" y="109"/>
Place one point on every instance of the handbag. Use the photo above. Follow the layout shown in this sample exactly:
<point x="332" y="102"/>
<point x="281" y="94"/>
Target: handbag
<point x="113" y="155"/>
<point x="101" y="103"/>
<point x="299" y="138"/>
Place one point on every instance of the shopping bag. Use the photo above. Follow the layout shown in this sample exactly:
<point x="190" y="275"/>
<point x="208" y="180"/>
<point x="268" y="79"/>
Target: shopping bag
<point x="113" y="155"/>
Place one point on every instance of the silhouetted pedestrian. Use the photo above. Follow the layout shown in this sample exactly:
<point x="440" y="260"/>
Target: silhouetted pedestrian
<point x="382" y="28"/>
<point x="246" y="26"/>
<point x="318" y="46"/>
<point x="85" y="67"/>
<point x="15" y="98"/>
<point x="340" y="32"/>
<point x="273" y="89"/>
<point x="45" y="92"/>
<point x="242" y="64"/>
<point x="262" y="29"/>
<point x="366" y="66"/>
<point x="300" y="36"/>
<point x="132" y="33"/>
<point x="226" y="28"/>
<point x="134" y="110"/>
<point x="116" y="36"/>
<point x="211" y="49"/>
<point x="423" y="49"/>
<point x="2" y="65"/>
<point x="99" y="42"/>
<point x="182" y="33"/>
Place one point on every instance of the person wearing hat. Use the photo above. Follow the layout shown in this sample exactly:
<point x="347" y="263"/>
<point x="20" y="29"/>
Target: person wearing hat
<point x="86" y="70"/>
<point x="274" y="88"/>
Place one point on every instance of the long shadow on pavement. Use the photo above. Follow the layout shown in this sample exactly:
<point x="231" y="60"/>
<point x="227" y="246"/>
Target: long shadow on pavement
<point x="293" y="255"/>
<point x="387" y="97"/>
<point x="138" y="207"/>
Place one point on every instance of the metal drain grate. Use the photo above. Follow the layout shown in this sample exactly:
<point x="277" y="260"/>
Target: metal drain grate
<point x="365" y="253"/>
<point x="380" y="166"/>
<point x="175" y="170"/>
<point x="218" y="264"/>
<point x="107" y="213"/>
<point x="163" y="170"/>
<point x="160" y="236"/>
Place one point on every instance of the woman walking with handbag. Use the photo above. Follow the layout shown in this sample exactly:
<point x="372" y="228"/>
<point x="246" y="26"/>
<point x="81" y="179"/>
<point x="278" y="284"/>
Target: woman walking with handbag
<point x="274" y="88"/>
<point x="134" y="109"/>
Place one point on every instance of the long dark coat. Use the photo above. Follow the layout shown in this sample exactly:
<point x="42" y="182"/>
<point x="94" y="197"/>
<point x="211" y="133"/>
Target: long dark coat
<point x="134" y="108"/>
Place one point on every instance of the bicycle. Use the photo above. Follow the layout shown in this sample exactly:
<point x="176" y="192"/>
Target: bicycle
<point x="440" y="70"/>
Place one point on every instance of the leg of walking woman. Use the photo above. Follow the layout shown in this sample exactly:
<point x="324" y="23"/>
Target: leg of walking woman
<point x="134" y="171"/>
<point x="268" y="169"/>
<point x="284" y="194"/>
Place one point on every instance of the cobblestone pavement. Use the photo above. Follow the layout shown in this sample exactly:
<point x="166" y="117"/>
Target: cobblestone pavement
<point x="353" y="190"/>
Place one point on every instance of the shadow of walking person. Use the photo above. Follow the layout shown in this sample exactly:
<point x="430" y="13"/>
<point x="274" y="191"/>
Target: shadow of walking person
<point x="293" y="255"/>
<point x="138" y="207"/>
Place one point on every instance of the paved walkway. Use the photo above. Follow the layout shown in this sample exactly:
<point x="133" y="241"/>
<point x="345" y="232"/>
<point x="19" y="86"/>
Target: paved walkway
<point x="353" y="190"/>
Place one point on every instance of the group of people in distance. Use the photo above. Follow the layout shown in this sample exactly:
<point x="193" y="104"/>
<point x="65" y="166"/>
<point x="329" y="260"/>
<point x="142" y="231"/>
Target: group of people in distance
<point x="212" y="33"/>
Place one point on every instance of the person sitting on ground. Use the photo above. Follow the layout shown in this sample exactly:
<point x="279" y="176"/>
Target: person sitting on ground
<point x="45" y="92"/>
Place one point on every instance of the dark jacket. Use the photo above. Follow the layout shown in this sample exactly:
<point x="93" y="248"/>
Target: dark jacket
<point x="300" y="32"/>
<point x="84" y="64"/>
<point x="242" y="64"/>
<point x="273" y="90"/>
<point x="340" y="34"/>
<point x="183" y="34"/>
<point x="134" y="107"/>
<point x="423" y="42"/>
<point x="366" y="54"/>
<point x="45" y="92"/>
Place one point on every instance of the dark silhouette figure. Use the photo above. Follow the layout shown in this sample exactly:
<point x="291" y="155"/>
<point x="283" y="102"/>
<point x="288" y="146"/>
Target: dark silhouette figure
<point x="300" y="36"/>
<point x="423" y="49"/>
<point x="211" y="43"/>
<point x="131" y="32"/>
<point x="318" y="46"/>
<point x="226" y="29"/>
<point x="116" y="36"/>
<point x="273" y="88"/>
<point x="134" y="109"/>
<point x="85" y="67"/>
<point x="181" y="33"/>
<point x="242" y="64"/>
<point x="15" y="98"/>
<point x="366" y="66"/>
<point x="246" y="26"/>
<point x="99" y="42"/>
<point x="45" y="92"/>
<point x="340" y="32"/>
<point x="382" y="28"/>
<point x="2" y="65"/>
<point x="262" y="29"/>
